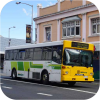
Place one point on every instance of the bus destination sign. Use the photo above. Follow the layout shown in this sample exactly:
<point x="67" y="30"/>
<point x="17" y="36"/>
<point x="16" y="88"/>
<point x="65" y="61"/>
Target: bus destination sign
<point x="80" y="45"/>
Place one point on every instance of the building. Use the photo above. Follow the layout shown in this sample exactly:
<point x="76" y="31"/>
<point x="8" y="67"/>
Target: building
<point x="77" y="20"/>
<point x="4" y="42"/>
<point x="68" y="19"/>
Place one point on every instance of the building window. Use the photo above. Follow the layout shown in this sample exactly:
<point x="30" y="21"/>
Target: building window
<point x="71" y="28"/>
<point x="64" y="29"/>
<point x="48" y="33"/>
<point x="95" y="25"/>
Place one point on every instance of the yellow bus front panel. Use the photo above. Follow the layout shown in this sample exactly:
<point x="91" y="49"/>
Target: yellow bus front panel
<point x="70" y="73"/>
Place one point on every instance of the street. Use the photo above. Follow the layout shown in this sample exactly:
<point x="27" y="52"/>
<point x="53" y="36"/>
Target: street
<point x="32" y="89"/>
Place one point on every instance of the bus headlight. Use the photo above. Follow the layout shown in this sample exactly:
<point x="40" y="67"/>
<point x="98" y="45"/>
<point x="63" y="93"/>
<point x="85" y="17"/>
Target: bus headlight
<point x="91" y="73"/>
<point x="66" y="72"/>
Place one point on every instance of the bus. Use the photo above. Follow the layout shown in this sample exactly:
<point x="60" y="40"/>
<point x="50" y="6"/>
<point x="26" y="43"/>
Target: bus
<point x="59" y="61"/>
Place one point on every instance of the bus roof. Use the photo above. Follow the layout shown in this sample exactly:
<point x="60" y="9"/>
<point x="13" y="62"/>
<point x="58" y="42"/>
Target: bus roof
<point x="40" y="44"/>
<point x="35" y="45"/>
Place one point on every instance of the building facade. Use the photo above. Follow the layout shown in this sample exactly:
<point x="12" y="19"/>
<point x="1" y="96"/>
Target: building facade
<point x="76" y="20"/>
<point x="68" y="19"/>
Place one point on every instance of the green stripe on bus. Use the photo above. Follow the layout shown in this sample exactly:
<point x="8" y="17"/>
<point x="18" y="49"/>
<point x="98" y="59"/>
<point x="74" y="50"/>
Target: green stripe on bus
<point x="14" y="64"/>
<point x="20" y="66"/>
<point x="55" y="66"/>
<point x="26" y="66"/>
<point x="35" y="65"/>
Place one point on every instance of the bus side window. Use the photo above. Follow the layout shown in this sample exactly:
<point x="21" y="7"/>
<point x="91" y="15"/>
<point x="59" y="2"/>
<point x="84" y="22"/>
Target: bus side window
<point x="11" y="53"/>
<point x="47" y="53"/>
<point x="64" y="58"/>
<point x="16" y="54"/>
<point x="37" y="54"/>
<point x="22" y="54"/>
<point x="7" y="55"/>
<point x="29" y="54"/>
<point x="57" y="54"/>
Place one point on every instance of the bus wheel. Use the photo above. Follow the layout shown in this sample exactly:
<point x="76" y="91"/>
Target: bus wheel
<point x="14" y="74"/>
<point x="45" y="77"/>
<point x="71" y="83"/>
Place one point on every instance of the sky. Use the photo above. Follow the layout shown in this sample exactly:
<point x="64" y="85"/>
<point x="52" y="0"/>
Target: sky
<point x="20" y="15"/>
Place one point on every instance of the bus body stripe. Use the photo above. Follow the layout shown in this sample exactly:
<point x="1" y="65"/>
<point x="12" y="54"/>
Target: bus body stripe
<point x="55" y="66"/>
<point x="35" y="65"/>
<point x="14" y="64"/>
<point x="20" y="66"/>
<point x="26" y="66"/>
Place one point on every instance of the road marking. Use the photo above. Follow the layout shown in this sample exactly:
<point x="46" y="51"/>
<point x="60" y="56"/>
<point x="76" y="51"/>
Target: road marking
<point x="80" y="90"/>
<point x="45" y="94"/>
<point x="7" y="87"/>
<point x="51" y="86"/>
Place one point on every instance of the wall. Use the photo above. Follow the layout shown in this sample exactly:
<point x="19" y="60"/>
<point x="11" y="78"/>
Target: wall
<point x="53" y="25"/>
<point x="48" y="10"/>
<point x="90" y="39"/>
<point x="88" y="2"/>
<point x="81" y="26"/>
<point x="64" y="5"/>
<point x="68" y="5"/>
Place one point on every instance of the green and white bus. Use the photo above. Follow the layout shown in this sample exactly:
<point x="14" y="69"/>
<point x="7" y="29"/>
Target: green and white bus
<point x="51" y="61"/>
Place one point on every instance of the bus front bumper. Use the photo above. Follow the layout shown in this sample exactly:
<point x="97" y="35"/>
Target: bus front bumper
<point x="77" y="78"/>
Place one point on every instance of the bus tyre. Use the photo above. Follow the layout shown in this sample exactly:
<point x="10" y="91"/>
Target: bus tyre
<point x="45" y="77"/>
<point x="71" y="83"/>
<point x="14" y="74"/>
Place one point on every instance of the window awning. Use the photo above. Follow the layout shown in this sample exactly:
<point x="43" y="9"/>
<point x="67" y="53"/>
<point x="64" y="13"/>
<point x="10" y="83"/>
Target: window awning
<point x="74" y="18"/>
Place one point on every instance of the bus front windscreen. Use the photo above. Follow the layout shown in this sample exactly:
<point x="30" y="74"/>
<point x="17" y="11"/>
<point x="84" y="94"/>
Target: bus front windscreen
<point x="75" y="57"/>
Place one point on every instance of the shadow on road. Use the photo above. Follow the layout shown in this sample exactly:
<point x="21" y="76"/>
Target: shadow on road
<point x="50" y="83"/>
